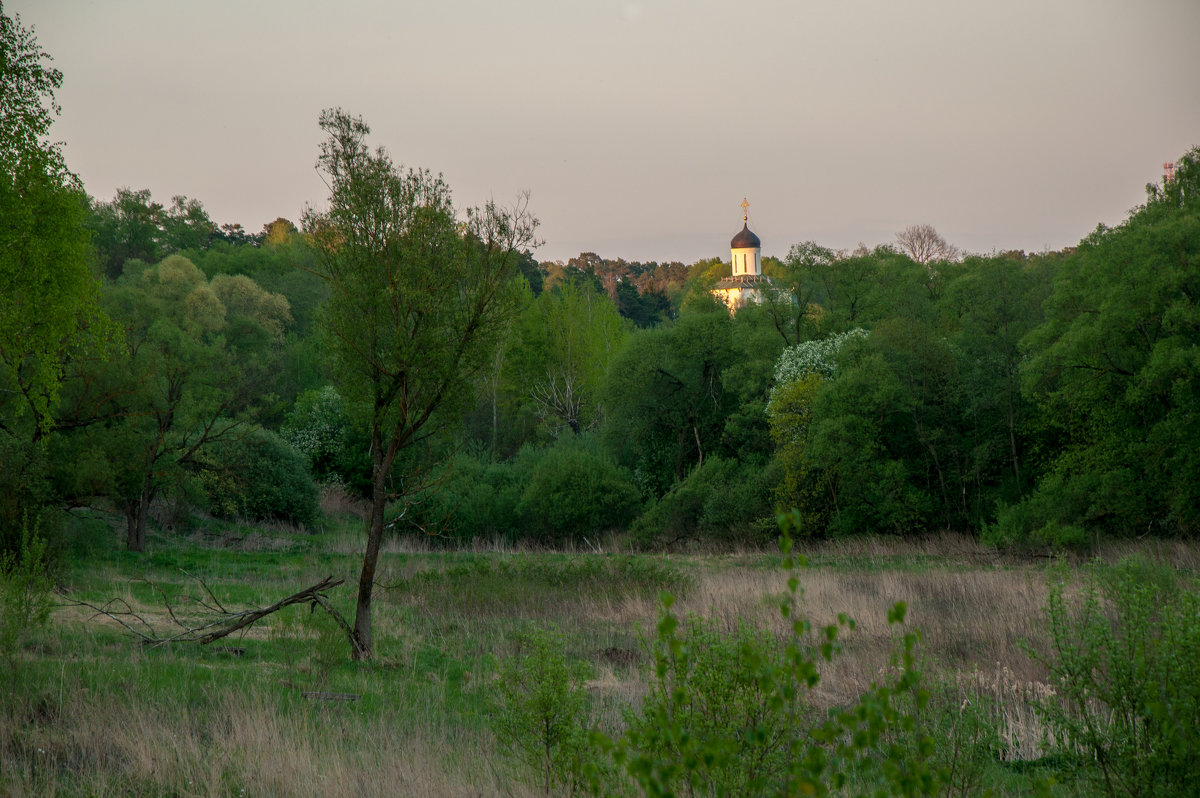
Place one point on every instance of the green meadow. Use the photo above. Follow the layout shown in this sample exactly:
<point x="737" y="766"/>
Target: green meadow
<point x="100" y="702"/>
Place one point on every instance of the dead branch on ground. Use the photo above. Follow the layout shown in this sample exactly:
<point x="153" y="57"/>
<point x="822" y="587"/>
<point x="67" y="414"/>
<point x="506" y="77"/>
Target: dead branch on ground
<point x="217" y="622"/>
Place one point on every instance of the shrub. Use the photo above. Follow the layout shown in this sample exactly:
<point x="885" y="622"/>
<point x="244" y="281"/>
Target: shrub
<point x="540" y="709"/>
<point x="1123" y="662"/>
<point x="337" y="451"/>
<point x="259" y="477"/>
<point x="316" y="428"/>
<point x="472" y="499"/>
<point x="24" y="595"/>
<point x="1040" y="519"/>
<point x="720" y="500"/>
<point x="765" y="741"/>
<point x="710" y="710"/>
<point x="966" y="725"/>
<point x="574" y="490"/>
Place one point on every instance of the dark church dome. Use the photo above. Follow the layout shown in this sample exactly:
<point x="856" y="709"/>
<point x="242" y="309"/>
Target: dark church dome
<point x="745" y="240"/>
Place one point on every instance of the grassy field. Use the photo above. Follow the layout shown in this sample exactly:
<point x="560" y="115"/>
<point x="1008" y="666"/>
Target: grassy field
<point x="278" y="709"/>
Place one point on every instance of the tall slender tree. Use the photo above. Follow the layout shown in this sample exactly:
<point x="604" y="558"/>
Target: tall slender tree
<point x="417" y="300"/>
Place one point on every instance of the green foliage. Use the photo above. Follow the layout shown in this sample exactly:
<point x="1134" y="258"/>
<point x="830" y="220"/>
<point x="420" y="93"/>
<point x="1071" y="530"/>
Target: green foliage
<point x="258" y="477"/>
<point x="448" y="294"/>
<point x="49" y="313"/>
<point x="1115" y="371"/>
<point x="922" y="422"/>
<point x="727" y="715"/>
<point x="576" y="491"/>
<point x="24" y="595"/>
<point x="194" y="366"/>
<point x="802" y="482"/>
<point x="1035" y="522"/>
<point x="859" y="442"/>
<point x="29" y="83"/>
<point x="132" y="226"/>
<point x="472" y="498"/>
<point x="889" y="427"/>
<point x="50" y="310"/>
<point x="566" y="492"/>
<point x="559" y="353"/>
<point x="541" y="708"/>
<point x="722" y="500"/>
<point x="666" y="401"/>
<point x="418" y="302"/>
<point x="711" y="713"/>
<point x="858" y="289"/>
<point x="800" y="373"/>
<point x="318" y="428"/>
<point x="1123" y="662"/>
<point x="50" y="295"/>
<point x="966" y="727"/>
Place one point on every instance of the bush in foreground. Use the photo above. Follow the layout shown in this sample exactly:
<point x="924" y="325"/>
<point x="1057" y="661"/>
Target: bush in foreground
<point x="1123" y="662"/>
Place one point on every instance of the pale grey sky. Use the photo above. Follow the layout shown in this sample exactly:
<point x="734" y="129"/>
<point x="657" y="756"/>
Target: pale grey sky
<point x="638" y="127"/>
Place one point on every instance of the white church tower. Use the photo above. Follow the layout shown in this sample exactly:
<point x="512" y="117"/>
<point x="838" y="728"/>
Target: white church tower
<point x="746" y="283"/>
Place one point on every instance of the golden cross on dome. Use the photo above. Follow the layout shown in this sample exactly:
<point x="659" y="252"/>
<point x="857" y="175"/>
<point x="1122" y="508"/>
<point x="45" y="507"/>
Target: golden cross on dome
<point x="745" y="213"/>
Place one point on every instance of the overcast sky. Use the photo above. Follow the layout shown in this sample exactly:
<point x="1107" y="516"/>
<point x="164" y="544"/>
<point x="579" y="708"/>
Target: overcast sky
<point x="638" y="127"/>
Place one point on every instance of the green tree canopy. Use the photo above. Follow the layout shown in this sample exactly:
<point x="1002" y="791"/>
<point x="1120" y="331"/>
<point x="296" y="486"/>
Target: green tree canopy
<point x="49" y="310"/>
<point x="418" y="300"/>
<point x="1115" y="370"/>
<point x="562" y="344"/>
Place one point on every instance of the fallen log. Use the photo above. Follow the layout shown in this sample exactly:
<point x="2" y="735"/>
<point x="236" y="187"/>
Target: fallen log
<point x="225" y="622"/>
<point x="310" y="595"/>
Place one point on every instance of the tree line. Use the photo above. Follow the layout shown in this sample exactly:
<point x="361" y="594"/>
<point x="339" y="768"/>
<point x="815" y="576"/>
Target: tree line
<point x="417" y="354"/>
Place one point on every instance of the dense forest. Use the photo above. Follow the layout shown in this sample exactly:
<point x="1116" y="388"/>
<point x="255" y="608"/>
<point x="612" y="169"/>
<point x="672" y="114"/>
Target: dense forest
<point x="157" y="365"/>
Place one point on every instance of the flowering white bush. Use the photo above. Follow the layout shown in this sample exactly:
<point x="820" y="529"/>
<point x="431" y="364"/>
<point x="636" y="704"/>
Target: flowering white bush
<point x="811" y="357"/>
<point x="316" y="427"/>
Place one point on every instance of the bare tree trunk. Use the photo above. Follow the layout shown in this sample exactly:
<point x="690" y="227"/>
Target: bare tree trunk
<point x="135" y="520"/>
<point x="1012" y="440"/>
<point x="380" y="466"/>
<point x="131" y="513"/>
<point x="495" y="416"/>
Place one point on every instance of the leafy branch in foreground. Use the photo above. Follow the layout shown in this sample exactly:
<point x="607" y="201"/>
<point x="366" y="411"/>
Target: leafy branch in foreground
<point x="731" y="714"/>
<point x="1123" y="664"/>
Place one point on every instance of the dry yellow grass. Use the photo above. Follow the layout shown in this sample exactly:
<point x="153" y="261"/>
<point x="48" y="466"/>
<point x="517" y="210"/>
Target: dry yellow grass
<point x="243" y="744"/>
<point x="979" y="616"/>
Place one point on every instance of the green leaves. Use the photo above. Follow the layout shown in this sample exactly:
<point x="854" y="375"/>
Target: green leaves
<point x="558" y="356"/>
<point x="728" y="713"/>
<point x="1122" y="662"/>
<point x="418" y="302"/>
<point x="541" y="709"/>
<point x="1115" y="372"/>
<point x="25" y="596"/>
<point x="27" y="106"/>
